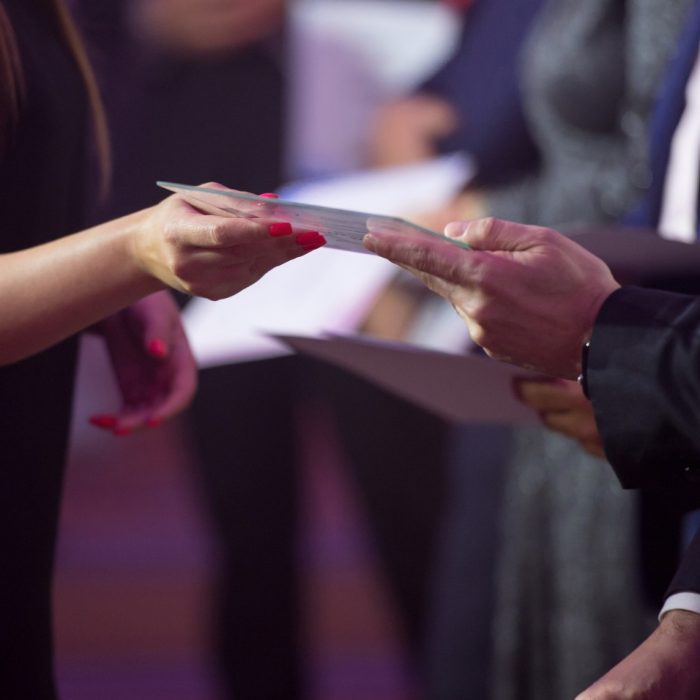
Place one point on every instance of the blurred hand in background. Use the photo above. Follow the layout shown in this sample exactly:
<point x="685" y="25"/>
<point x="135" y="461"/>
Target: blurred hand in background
<point x="204" y="27"/>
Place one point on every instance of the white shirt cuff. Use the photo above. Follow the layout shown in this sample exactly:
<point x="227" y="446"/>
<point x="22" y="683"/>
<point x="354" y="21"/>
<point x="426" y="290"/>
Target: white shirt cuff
<point x="682" y="601"/>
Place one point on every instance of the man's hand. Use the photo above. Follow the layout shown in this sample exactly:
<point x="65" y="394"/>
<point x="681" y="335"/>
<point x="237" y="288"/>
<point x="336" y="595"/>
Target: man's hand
<point x="529" y="295"/>
<point x="563" y="408"/>
<point x="665" y="667"/>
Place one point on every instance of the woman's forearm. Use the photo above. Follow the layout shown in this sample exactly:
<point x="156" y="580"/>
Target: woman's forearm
<point x="54" y="290"/>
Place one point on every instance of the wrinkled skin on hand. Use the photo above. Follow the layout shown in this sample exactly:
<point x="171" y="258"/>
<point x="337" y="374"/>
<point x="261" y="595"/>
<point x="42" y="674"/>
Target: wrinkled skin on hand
<point x="666" y="666"/>
<point x="528" y="294"/>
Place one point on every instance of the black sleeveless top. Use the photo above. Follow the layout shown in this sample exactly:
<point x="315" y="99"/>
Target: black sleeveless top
<point x="42" y="178"/>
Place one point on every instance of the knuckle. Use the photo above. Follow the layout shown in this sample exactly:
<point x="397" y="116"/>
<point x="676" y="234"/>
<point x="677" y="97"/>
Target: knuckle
<point x="181" y="267"/>
<point x="480" y="311"/>
<point x="489" y="225"/>
<point x="216" y="233"/>
<point x="420" y="257"/>
<point x="544" y="236"/>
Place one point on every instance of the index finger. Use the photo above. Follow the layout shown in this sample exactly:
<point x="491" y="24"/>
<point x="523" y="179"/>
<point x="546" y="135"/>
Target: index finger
<point x="426" y="254"/>
<point x="214" y="231"/>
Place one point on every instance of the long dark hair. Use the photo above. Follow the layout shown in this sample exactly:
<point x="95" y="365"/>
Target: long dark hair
<point x="11" y="83"/>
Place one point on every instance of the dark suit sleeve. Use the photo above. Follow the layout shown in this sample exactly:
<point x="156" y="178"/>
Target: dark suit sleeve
<point x="687" y="577"/>
<point x="644" y="381"/>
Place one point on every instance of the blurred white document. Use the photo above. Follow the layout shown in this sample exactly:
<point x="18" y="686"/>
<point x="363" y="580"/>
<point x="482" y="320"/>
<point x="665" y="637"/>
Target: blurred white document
<point x="399" y="191"/>
<point x="327" y="290"/>
<point x="460" y="388"/>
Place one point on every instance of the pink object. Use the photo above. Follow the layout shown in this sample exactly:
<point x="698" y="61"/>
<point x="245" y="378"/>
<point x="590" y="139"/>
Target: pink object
<point x="158" y="348"/>
<point x="277" y="230"/>
<point x="103" y="421"/>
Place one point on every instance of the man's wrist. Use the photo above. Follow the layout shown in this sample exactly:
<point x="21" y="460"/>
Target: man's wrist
<point x="583" y="374"/>
<point x="688" y="601"/>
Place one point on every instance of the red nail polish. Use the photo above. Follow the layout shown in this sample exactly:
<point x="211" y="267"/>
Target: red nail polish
<point x="157" y="348"/>
<point x="154" y="422"/>
<point x="310" y="238"/>
<point x="279" y="229"/>
<point x="270" y="195"/>
<point x="122" y="432"/>
<point x="103" y="421"/>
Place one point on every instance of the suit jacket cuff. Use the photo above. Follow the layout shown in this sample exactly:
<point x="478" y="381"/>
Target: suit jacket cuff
<point x="642" y="374"/>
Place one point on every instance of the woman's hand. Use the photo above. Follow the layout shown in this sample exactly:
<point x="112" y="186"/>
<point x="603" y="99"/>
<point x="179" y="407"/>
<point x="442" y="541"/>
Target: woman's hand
<point x="62" y="287"/>
<point x="152" y="362"/>
<point x="563" y="408"/>
<point x="212" y="256"/>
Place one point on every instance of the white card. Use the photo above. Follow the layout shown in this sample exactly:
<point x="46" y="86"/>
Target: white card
<point x="343" y="229"/>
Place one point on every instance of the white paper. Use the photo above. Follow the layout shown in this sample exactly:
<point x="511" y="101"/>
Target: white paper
<point x="399" y="191"/>
<point x="461" y="388"/>
<point x="327" y="290"/>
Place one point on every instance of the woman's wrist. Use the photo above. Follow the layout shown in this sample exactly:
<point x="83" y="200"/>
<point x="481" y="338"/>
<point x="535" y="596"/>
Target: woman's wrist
<point x="142" y="250"/>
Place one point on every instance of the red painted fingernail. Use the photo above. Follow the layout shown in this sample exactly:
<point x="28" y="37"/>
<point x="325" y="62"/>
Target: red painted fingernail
<point x="103" y="421"/>
<point x="154" y="422"/>
<point x="157" y="348"/>
<point x="310" y="238"/>
<point x="270" y="195"/>
<point x="279" y="229"/>
<point x="122" y="432"/>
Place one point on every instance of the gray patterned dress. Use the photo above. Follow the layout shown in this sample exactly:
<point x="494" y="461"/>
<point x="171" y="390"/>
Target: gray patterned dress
<point x="569" y="604"/>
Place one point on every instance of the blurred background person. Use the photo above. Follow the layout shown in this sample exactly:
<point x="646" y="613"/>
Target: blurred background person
<point x="588" y="76"/>
<point x="473" y="103"/>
